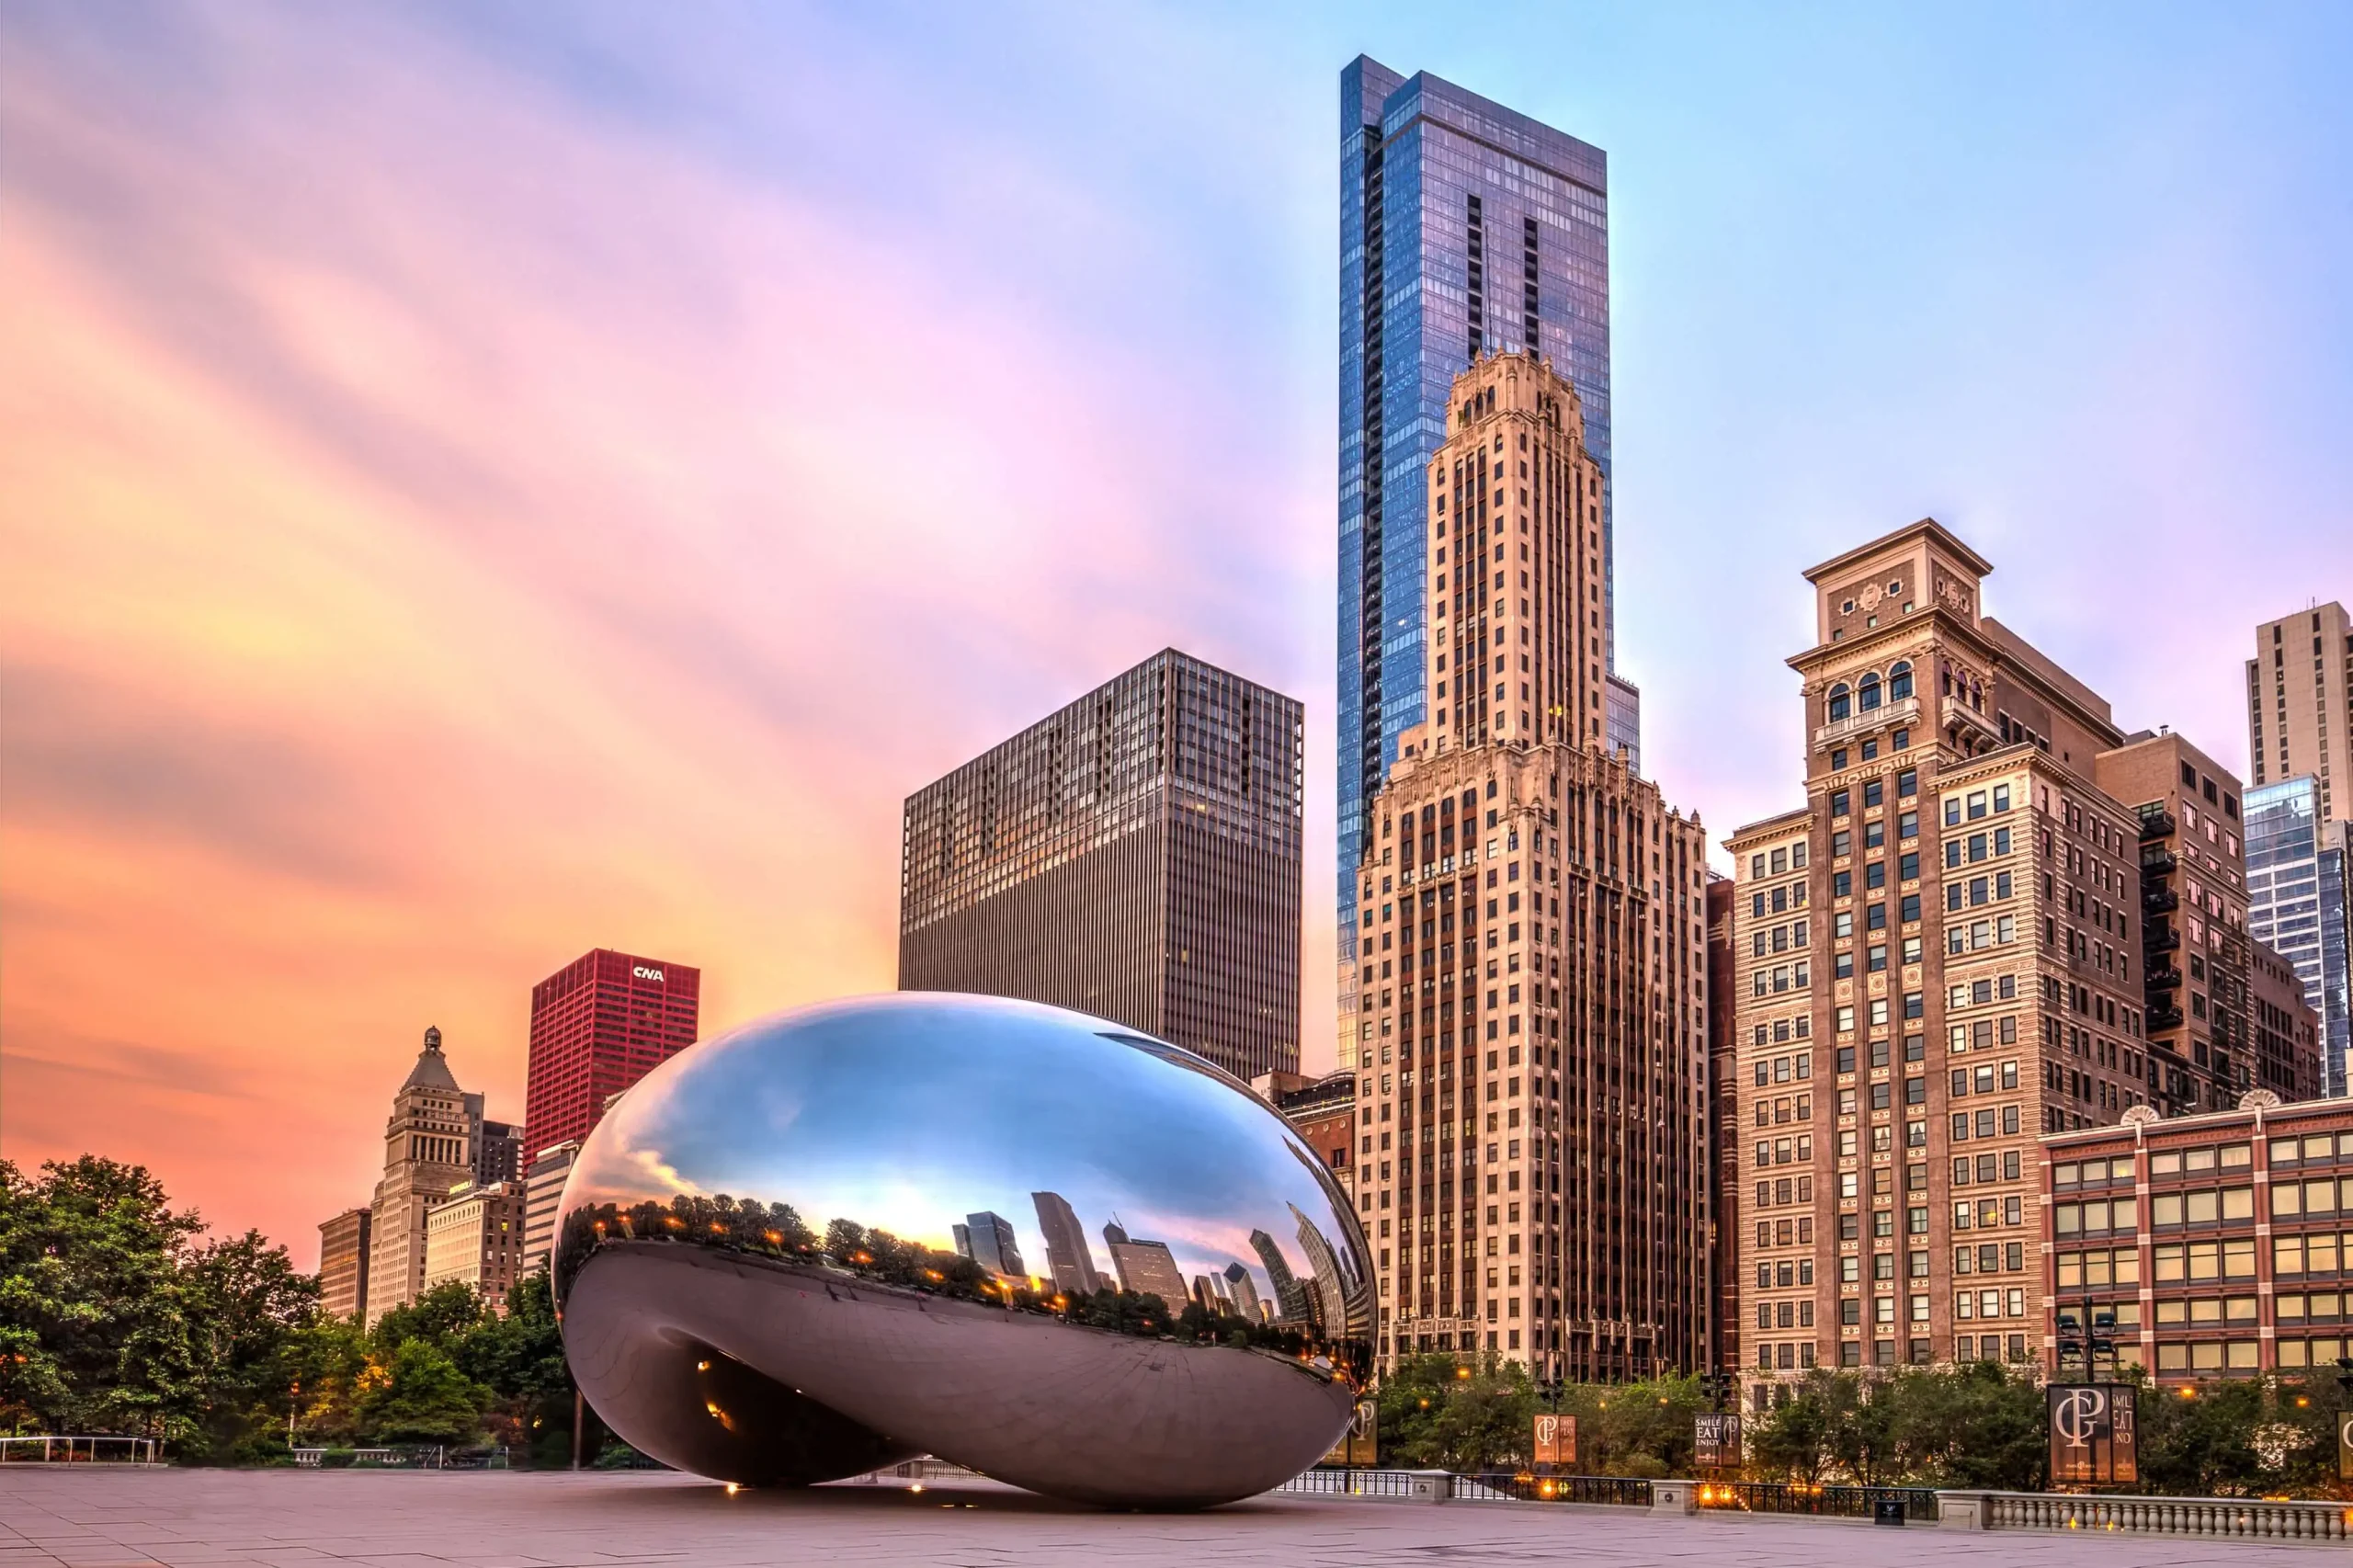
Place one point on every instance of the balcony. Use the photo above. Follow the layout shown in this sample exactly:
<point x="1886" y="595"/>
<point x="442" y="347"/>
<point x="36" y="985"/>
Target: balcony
<point x="2156" y="901"/>
<point x="2166" y="1017"/>
<point x="2157" y="860"/>
<point x="2165" y="979"/>
<point x="1958" y="712"/>
<point x="2157" y="821"/>
<point x="1866" y="721"/>
<point x="2159" y="939"/>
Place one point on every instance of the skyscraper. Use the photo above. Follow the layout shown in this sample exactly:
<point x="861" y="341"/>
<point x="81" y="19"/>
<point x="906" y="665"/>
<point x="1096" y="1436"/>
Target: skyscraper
<point x="2300" y="902"/>
<point x="598" y="1025"/>
<point x="1068" y="1257"/>
<point x="1243" y="1292"/>
<point x="1464" y="228"/>
<point x="988" y="1240"/>
<point x="425" y="1155"/>
<point x="2300" y="704"/>
<point x="1135" y="856"/>
<point x="1291" y="1292"/>
<point x="1530" y="1031"/>
<point x="343" y="1263"/>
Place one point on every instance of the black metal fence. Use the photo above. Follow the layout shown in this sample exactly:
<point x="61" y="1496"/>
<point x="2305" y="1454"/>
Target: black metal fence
<point x="1526" y="1487"/>
<point x="1918" y="1502"/>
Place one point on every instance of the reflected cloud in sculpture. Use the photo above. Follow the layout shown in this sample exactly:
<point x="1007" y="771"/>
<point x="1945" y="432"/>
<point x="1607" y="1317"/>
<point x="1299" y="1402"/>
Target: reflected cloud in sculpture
<point x="794" y="1252"/>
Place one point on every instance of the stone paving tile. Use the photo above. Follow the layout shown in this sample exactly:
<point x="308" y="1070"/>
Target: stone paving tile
<point x="301" y="1519"/>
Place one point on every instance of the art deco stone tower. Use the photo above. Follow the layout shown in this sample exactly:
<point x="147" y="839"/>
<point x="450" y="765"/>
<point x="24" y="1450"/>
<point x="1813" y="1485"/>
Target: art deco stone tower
<point x="1530" y="1028"/>
<point x="425" y="1155"/>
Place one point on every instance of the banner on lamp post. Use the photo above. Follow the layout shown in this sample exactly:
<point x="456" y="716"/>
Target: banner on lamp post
<point x="1715" y="1440"/>
<point x="2094" y="1434"/>
<point x="1556" y="1440"/>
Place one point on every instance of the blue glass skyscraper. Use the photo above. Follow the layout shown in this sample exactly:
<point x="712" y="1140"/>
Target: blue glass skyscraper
<point x="2299" y="864"/>
<point x="1464" y="229"/>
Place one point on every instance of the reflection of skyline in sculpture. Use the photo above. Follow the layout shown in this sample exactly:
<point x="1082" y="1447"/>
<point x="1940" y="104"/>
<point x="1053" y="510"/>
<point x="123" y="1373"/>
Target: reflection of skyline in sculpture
<point x="987" y="1239"/>
<point x="754" y="1283"/>
<point x="1148" y="1268"/>
<point x="1291" y="1293"/>
<point x="1068" y="1257"/>
<point x="1331" y="1293"/>
<point x="1242" y="1291"/>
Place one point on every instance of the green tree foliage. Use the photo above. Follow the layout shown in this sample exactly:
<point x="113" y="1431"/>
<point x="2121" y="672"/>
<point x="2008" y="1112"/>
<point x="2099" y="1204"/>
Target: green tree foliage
<point x="421" y="1397"/>
<point x="117" y="1316"/>
<point x="1437" y="1412"/>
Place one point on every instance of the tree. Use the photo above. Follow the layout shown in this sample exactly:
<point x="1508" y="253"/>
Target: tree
<point x="421" y="1397"/>
<point x="441" y="1316"/>
<point x="1792" y="1442"/>
<point x="2199" y="1440"/>
<point x="1977" y="1425"/>
<point x="1435" y="1411"/>
<point x="246" y="1305"/>
<point x="92" y="1295"/>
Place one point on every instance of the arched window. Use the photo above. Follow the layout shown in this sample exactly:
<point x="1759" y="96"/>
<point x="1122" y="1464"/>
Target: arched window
<point x="1867" y="691"/>
<point x="1839" y="703"/>
<point x="1899" y="682"/>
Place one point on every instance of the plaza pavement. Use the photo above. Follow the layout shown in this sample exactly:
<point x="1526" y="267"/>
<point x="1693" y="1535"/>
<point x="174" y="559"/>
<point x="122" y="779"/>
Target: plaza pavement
<point x="88" y="1518"/>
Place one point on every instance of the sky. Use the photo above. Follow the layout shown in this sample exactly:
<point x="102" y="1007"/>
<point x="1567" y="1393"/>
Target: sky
<point x="483" y="482"/>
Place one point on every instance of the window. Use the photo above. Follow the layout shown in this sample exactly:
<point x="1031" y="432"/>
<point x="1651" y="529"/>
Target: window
<point x="1840" y="704"/>
<point x="1867" y="692"/>
<point x="1899" y="684"/>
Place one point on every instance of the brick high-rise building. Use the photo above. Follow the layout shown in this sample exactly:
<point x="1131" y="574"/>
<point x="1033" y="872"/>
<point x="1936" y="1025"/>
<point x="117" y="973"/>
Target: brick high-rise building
<point x="2300" y="704"/>
<point x="1950" y="951"/>
<point x="1135" y="856"/>
<point x="343" y="1263"/>
<point x="2286" y="1055"/>
<point x="598" y="1025"/>
<point x="2194" y="945"/>
<point x="1530" y="1031"/>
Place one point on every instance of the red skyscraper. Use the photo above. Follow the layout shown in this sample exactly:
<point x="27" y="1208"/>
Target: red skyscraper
<point x="598" y="1025"/>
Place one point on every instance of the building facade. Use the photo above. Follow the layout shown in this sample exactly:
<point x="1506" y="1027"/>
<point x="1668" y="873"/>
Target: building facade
<point x="1135" y="856"/>
<point x="2219" y="1243"/>
<point x="2195" y="952"/>
<point x="2286" y="1030"/>
<point x="598" y="1025"/>
<point x="2299" y="705"/>
<point x="474" y="1236"/>
<point x="542" y="1195"/>
<point x="1723" y="1124"/>
<point x="343" y="1263"/>
<point x="1324" y="1112"/>
<point x="497" y="1146"/>
<point x="425" y="1155"/>
<point x="1530" y="1032"/>
<point x="1465" y="229"/>
<point x="2300" y="902"/>
<point x="1943" y="953"/>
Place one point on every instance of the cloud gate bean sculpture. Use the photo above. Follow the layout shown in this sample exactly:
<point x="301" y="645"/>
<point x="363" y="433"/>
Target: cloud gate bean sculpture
<point x="1024" y="1239"/>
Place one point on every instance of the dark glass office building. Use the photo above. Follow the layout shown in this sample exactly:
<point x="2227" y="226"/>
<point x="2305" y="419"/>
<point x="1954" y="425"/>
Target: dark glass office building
<point x="1464" y="229"/>
<point x="1135" y="856"/>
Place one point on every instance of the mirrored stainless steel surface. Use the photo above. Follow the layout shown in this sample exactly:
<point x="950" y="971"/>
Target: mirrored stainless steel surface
<point x="1021" y="1239"/>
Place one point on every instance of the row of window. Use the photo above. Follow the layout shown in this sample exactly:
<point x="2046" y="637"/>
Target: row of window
<point x="1868" y="691"/>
